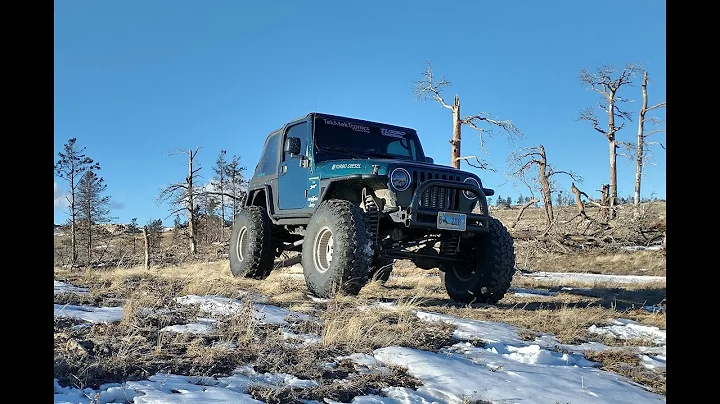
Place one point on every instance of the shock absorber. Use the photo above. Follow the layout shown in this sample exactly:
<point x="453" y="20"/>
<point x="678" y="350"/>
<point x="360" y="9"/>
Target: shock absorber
<point x="373" y="216"/>
<point x="451" y="246"/>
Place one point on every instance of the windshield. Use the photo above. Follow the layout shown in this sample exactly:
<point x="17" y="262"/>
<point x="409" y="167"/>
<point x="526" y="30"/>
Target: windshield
<point x="336" y="137"/>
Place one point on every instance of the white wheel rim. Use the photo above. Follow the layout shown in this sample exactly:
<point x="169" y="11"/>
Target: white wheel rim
<point x="323" y="249"/>
<point x="242" y="243"/>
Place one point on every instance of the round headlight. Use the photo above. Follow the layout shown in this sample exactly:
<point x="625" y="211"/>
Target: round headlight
<point x="473" y="181"/>
<point x="400" y="179"/>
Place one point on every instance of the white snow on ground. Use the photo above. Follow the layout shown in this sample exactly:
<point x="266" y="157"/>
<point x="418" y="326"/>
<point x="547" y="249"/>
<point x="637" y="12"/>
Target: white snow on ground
<point x="522" y="292"/>
<point x="468" y="330"/>
<point x="642" y="248"/>
<point x="497" y="366"/>
<point x="306" y="339"/>
<point x="223" y="306"/>
<point x="578" y="276"/>
<point x="478" y="373"/>
<point x="628" y="329"/>
<point x="169" y="388"/>
<point x="62" y="287"/>
<point x="200" y="326"/>
<point x="89" y="313"/>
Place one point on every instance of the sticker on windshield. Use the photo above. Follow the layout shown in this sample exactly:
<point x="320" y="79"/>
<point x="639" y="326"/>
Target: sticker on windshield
<point x="392" y="133"/>
<point x="343" y="124"/>
<point x="341" y="166"/>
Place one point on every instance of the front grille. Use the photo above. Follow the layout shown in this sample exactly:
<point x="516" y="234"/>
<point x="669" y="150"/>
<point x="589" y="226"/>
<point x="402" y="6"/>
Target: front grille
<point x="437" y="197"/>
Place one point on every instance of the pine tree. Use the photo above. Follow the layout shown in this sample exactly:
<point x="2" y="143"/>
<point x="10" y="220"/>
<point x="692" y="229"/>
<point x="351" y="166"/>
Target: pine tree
<point x="235" y="181"/>
<point x="71" y="166"/>
<point x="93" y="207"/>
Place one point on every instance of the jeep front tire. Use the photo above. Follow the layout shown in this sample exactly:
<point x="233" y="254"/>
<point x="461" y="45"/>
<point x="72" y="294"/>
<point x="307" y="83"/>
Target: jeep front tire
<point x="337" y="249"/>
<point x="251" y="244"/>
<point x="487" y="270"/>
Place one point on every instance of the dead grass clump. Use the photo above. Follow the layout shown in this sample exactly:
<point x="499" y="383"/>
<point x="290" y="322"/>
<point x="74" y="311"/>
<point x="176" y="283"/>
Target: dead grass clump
<point x="628" y="364"/>
<point x="602" y="261"/>
<point x="343" y="390"/>
<point x="240" y="328"/>
<point x="373" y="327"/>
<point x="569" y="324"/>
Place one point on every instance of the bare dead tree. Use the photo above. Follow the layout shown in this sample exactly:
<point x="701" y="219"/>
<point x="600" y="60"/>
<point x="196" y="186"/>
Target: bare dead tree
<point x="578" y="201"/>
<point x="428" y="88"/>
<point x="525" y="160"/>
<point x="182" y="196"/>
<point x="608" y="86"/>
<point x="605" y="207"/>
<point x="146" y="238"/>
<point x="522" y="210"/>
<point x="642" y="151"/>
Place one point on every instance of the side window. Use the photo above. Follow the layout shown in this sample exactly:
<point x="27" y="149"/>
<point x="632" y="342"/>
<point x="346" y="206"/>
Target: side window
<point x="299" y="131"/>
<point x="268" y="159"/>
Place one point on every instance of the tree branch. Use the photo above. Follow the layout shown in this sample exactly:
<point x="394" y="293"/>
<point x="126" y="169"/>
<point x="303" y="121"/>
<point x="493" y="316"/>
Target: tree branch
<point x="481" y="164"/>
<point x="427" y="88"/>
<point x="658" y="105"/>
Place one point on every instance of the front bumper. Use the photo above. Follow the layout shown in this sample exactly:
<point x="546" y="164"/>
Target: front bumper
<point x="435" y="196"/>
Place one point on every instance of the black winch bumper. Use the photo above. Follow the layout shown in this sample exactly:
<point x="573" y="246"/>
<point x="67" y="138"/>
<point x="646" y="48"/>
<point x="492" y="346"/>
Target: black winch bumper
<point x="433" y="197"/>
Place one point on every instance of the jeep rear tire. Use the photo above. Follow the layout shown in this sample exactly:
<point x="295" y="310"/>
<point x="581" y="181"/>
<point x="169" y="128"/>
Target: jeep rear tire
<point x="488" y="269"/>
<point x="251" y="245"/>
<point x="337" y="250"/>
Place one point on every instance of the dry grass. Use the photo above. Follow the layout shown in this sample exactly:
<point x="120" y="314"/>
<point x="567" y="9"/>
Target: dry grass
<point x="135" y="348"/>
<point x="627" y="363"/>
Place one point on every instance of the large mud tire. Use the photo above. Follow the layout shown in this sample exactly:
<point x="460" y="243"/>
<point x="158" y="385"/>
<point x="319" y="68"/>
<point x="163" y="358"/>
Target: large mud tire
<point x="251" y="244"/>
<point x="337" y="250"/>
<point x="493" y="256"/>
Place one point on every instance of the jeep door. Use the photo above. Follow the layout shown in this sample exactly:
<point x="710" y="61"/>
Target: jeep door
<point x="294" y="170"/>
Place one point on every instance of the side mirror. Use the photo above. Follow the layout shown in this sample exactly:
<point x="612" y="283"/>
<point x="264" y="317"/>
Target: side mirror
<point x="429" y="160"/>
<point x="292" y="146"/>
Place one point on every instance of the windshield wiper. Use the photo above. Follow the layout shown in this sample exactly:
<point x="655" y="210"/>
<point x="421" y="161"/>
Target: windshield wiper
<point x="385" y="155"/>
<point x="340" y="149"/>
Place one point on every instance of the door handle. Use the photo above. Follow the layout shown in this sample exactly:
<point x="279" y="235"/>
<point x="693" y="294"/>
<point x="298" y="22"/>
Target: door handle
<point x="283" y="169"/>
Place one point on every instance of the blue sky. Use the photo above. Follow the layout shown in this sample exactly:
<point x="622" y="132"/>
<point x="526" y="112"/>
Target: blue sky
<point x="136" y="80"/>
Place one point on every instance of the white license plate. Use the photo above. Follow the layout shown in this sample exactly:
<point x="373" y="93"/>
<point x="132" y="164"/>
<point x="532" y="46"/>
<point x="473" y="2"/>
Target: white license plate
<point x="451" y="221"/>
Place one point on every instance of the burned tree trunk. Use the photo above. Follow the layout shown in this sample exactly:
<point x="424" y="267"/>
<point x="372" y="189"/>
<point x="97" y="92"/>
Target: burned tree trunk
<point x="190" y="204"/>
<point x="527" y="159"/>
<point x="522" y="209"/>
<point x="578" y="201"/>
<point x="146" y="237"/>
<point x="640" y="154"/>
<point x="545" y="185"/>
<point x="455" y="142"/>
<point x="605" y="202"/>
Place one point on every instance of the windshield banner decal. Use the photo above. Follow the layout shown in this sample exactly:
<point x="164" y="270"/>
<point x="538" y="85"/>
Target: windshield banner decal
<point x="343" y="124"/>
<point x="392" y="133"/>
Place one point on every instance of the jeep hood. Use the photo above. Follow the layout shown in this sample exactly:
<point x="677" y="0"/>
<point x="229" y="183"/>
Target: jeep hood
<point x="344" y="167"/>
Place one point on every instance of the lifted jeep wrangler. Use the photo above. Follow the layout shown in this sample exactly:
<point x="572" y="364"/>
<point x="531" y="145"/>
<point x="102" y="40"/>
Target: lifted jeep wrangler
<point x="352" y="196"/>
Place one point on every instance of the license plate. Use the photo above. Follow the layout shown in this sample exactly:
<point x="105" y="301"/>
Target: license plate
<point x="451" y="221"/>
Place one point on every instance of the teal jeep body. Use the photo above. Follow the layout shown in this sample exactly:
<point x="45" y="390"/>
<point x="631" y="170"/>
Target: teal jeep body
<point x="390" y="201"/>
